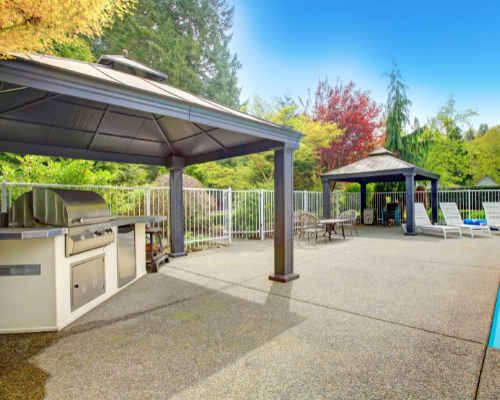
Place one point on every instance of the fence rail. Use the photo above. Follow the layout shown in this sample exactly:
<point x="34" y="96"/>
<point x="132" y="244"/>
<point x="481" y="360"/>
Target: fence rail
<point x="215" y="216"/>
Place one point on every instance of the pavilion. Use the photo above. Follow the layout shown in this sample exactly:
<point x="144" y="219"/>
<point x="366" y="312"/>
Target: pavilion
<point x="120" y="110"/>
<point x="382" y="166"/>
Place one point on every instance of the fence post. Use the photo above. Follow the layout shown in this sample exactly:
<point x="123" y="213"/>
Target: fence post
<point x="337" y="201"/>
<point x="4" y="196"/>
<point x="469" y="201"/>
<point x="230" y="213"/>
<point x="261" y="214"/>
<point x="305" y="201"/>
<point x="148" y="200"/>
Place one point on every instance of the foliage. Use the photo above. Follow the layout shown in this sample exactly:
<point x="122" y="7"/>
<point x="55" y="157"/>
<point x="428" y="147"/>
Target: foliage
<point x="356" y="188"/>
<point x="31" y="25"/>
<point x="409" y="147"/>
<point x="8" y="159"/>
<point x="448" y="154"/>
<point x="78" y="49"/>
<point x="283" y="111"/>
<point x="484" y="153"/>
<point x="307" y="159"/>
<point x="355" y="113"/>
<point x="187" y="40"/>
<point x="41" y="169"/>
<point x="483" y="128"/>
<point x="124" y="174"/>
<point x="277" y="112"/>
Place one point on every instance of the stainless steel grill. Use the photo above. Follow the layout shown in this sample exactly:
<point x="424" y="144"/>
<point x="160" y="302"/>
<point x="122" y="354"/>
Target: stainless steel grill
<point x="85" y="215"/>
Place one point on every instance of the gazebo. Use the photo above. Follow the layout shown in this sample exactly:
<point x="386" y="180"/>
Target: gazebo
<point x="382" y="166"/>
<point x="121" y="110"/>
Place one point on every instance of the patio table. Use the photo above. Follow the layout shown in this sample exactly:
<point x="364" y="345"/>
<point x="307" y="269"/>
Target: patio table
<point x="332" y="222"/>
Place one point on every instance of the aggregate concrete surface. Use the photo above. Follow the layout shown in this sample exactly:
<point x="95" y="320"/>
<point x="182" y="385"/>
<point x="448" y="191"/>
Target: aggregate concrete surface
<point x="379" y="315"/>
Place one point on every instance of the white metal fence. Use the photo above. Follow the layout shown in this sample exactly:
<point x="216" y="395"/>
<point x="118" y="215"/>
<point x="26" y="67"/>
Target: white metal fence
<point x="214" y="216"/>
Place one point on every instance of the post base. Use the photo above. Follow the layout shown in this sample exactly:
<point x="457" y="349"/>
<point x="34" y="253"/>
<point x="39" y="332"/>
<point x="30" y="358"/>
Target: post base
<point x="284" y="278"/>
<point x="174" y="255"/>
<point x="410" y="233"/>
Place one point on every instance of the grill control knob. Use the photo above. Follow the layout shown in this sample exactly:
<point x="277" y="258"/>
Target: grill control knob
<point x="82" y="237"/>
<point x="96" y="233"/>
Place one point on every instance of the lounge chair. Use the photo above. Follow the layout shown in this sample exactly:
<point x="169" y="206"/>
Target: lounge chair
<point x="492" y="211"/>
<point x="309" y="224"/>
<point x="423" y="223"/>
<point x="453" y="218"/>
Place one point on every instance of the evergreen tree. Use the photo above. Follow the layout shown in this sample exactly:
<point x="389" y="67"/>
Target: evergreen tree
<point x="185" y="39"/>
<point x="409" y="147"/>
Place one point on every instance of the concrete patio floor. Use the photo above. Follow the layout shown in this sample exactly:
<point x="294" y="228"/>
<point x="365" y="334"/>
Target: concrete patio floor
<point x="379" y="315"/>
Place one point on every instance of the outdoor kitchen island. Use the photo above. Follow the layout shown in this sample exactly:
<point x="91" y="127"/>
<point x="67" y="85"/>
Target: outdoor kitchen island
<point x="52" y="275"/>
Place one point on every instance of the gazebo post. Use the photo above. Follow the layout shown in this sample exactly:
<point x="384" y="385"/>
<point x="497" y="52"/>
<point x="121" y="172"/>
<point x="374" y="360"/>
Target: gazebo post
<point x="410" y="203"/>
<point x="363" y="199"/>
<point x="283" y="216"/>
<point x="327" y="202"/>
<point x="434" y="201"/>
<point x="175" y="165"/>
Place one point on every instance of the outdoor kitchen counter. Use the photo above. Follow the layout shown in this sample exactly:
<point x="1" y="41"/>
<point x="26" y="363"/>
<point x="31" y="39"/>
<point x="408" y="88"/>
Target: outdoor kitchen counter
<point x="146" y="219"/>
<point x="48" y="232"/>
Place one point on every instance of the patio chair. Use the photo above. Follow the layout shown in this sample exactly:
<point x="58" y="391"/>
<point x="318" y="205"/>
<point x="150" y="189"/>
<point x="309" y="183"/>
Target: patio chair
<point x="492" y="211"/>
<point x="309" y="224"/>
<point x="392" y="211"/>
<point x="351" y="217"/>
<point x="453" y="218"/>
<point x="423" y="223"/>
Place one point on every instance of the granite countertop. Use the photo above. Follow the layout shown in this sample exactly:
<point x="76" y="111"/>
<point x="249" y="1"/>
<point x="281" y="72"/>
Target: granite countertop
<point x="48" y="231"/>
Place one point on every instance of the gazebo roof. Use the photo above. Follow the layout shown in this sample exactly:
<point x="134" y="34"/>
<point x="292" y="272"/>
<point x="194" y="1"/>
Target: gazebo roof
<point x="380" y="166"/>
<point x="119" y="111"/>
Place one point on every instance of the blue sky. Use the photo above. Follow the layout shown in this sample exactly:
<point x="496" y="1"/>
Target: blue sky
<point x="442" y="48"/>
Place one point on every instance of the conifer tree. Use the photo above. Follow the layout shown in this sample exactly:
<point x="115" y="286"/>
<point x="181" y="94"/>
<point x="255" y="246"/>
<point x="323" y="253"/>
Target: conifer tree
<point x="188" y="40"/>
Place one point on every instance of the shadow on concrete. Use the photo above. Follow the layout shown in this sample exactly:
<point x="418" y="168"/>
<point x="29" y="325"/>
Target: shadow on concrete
<point x="165" y="350"/>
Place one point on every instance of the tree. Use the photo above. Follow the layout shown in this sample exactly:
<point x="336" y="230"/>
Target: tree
<point x="483" y="128"/>
<point x="187" y="40"/>
<point x="355" y="113"/>
<point x="319" y="135"/>
<point x="448" y="154"/>
<point x="410" y="147"/>
<point x="41" y="169"/>
<point x="307" y="159"/>
<point x="79" y="49"/>
<point x="484" y="153"/>
<point x="36" y="26"/>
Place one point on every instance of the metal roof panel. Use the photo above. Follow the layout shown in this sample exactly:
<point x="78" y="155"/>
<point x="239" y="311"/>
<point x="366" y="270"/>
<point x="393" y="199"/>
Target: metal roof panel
<point x="196" y="145"/>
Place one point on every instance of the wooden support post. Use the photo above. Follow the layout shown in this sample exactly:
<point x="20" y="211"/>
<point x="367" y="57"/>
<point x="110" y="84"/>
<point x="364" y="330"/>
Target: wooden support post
<point x="283" y="216"/>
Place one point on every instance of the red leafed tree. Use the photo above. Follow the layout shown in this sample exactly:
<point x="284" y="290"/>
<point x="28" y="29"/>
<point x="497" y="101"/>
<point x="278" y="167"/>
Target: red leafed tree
<point x="356" y="113"/>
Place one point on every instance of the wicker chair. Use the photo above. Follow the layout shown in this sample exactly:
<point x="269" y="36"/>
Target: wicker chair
<point x="309" y="224"/>
<point x="351" y="217"/>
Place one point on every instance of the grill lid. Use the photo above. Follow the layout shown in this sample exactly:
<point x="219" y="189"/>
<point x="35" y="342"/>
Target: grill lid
<point x="62" y="207"/>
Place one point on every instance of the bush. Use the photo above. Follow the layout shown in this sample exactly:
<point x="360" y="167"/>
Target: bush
<point x="356" y="188"/>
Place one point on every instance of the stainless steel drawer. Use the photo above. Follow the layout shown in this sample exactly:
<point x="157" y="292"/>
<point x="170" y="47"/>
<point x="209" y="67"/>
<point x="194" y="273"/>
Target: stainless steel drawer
<point x="87" y="281"/>
<point x="127" y="270"/>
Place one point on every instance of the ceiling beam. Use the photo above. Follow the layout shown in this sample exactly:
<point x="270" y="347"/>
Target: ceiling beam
<point x="83" y="154"/>
<point x="163" y="133"/>
<point x="96" y="132"/>
<point x="31" y="103"/>
<point x="242" y="150"/>
<point x="210" y="136"/>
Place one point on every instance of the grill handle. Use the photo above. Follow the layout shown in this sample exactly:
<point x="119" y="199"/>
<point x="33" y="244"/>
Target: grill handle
<point x="92" y="220"/>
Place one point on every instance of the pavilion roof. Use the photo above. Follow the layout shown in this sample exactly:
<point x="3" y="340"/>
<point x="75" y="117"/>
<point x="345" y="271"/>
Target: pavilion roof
<point x="380" y="166"/>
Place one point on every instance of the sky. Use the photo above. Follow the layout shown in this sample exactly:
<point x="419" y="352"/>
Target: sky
<point x="442" y="48"/>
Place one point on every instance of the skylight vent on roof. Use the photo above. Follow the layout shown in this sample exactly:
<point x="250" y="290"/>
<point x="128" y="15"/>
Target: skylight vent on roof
<point x="130" y="66"/>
